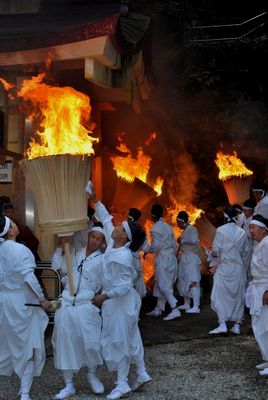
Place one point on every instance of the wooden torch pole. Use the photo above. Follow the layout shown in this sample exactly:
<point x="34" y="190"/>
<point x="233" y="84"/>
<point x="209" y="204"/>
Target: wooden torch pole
<point x="68" y="259"/>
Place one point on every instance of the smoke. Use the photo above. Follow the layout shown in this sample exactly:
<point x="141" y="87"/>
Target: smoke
<point x="181" y="179"/>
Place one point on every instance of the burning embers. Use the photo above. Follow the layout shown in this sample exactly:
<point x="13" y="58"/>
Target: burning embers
<point x="235" y="176"/>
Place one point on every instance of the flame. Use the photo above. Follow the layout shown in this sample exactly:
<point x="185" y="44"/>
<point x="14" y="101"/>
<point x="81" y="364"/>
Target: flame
<point x="230" y="165"/>
<point x="193" y="213"/>
<point x="158" y="185"/>
<point x="6" y="84"/>
<point x="151" y="138"/>
<point x="148" y="262"/>
<point x="128" y="168"/>
<point x="61" y="114"/>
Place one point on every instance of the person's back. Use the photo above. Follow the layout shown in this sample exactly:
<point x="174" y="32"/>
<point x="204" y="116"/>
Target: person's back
<point x="15" y="258"/>
<point x="22" y="325"/>
<point x="231" y="247"/>
<point x="230" y="242"/>
<point x="262" y="207"/>
<point x="165" y="237"/>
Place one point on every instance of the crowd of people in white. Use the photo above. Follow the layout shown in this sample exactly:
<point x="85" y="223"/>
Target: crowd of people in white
<point x="99" y="323"/>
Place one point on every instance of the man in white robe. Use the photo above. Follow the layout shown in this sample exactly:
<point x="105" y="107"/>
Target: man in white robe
<point x="261" y="196"/>
<point x="257" y="291"/>
<point x="189" y="274"/>
<point x="22" y="326"/>
<point x="163" y="245"/>
<point x="77" y="324"/>
<point x="231" y="247"/>
<point x="121" y="340"/>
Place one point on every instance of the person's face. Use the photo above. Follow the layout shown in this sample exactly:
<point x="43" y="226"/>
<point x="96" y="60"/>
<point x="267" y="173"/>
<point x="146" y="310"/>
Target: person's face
<point x="9" y="213"/>
<point x="248" y="213"/>
<point x="257" y="196"/>
<point x="119" y="233"/>
<point x="257" y="232"/>
<point x="13" y="231"/>
<point x="95" y="241"/>
<point x="181" y="224"/>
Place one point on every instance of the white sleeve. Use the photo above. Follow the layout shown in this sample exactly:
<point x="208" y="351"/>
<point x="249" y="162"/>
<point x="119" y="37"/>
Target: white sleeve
<point x="217" y="244"/>
<point x="29" y="277"/>
<point x="57" y="259"/>
<point x="156" y="243"/>
<point x="105" y="218"/>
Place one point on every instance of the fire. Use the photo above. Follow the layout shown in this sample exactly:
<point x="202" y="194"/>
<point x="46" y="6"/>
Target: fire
<point x="230" y="166"/>
<point x="61" y="114"/>
<point x="130" y="167"/>
<point x="148" y="262"/>
<point x="158" y="185"/>
<point x="6" y="84"/>
<point x="193" y="212"/>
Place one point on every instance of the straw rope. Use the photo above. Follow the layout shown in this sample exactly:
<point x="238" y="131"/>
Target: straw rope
<point x="63" y="226"/>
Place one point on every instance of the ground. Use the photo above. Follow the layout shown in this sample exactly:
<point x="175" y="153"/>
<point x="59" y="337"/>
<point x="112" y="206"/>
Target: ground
<point x="185" y="362"/>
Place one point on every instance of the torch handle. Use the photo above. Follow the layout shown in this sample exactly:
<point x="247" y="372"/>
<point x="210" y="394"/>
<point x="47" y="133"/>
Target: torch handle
<point x="68" y="259"/>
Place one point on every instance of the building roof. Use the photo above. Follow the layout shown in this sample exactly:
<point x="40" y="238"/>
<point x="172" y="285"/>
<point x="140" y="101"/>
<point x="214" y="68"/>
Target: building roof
<point x="113" y="44"/>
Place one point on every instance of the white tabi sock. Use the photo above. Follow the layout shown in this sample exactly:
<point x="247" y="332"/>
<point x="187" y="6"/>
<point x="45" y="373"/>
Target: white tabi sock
<point x="26" y="379"/>
<point x="196" y="296"/>
<point x="68" y="376"/>
<point x="140" y="367"/>
<point x="122" y="372"/>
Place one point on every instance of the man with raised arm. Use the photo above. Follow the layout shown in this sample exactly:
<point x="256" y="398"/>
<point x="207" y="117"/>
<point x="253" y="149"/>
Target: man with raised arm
<point x="120" y="340"/>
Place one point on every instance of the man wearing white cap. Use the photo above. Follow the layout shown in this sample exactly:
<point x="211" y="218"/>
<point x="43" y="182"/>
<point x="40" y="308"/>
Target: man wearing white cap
<point x="231" y="247"/>
<point x="77" y="325"/>
<point x="22" y="317"/>
<point x="257" y="291"/>
<point x="260" y="193"/>
<point x="120" y="339"/>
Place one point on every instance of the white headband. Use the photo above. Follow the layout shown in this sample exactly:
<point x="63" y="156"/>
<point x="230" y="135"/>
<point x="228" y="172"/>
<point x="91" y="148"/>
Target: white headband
<point x="97" y="229"/>
<point x="127" y="229"/>
<point x="5" y="230"/>
<point x="258" y="223"/>
<point x="248" y="208"/>
<point x="181" y="220"/>
<point x="259" y="190"/>
<point x="229" y="219"/>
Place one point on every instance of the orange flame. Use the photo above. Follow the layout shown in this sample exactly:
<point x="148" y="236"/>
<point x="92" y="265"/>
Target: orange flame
<point x="158" y="185"/>
<point x="230" y="165"/>
<point x="128" y="168"/>
<point x="6" y="84"/>
<point x="148" y="262"/>
<point x="193" y="213"/>
<point x="61" y="113"/>
<point x="151" y="138"/>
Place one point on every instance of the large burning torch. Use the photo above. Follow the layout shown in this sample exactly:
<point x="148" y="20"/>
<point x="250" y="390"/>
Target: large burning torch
<point x="57" y="166"/>
<point x="235" y="176"/>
